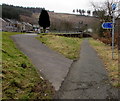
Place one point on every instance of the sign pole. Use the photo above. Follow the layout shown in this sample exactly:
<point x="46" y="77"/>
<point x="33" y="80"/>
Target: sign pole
<point x="113" y="31"/>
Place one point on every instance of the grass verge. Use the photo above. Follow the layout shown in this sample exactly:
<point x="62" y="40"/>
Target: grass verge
<point x="69" y="47"/>
<point x="0" y="66"/>
<point x="105" y="52"/>
<point x="19" y="77"/>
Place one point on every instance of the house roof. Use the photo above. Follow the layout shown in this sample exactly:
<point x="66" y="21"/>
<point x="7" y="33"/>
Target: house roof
<point x="2" y="20"/>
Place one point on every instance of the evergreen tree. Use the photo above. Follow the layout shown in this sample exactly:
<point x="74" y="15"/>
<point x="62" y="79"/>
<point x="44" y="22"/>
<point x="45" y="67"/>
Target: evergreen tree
<point x="44" y="20"/>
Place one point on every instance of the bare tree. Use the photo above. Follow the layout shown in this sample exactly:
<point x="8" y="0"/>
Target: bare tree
<point x="88" y="12"/>
<point x="105" y="13"/>
<point x="73" y="10"/>
<point x="83" y="11"/>
<point x="77" y="10"/>
<point x="105" y="9"/>
<point x="80" y="11"/>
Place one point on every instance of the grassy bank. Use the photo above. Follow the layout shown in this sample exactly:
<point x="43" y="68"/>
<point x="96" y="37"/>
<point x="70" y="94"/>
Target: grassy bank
<point x="20" y="79"/>
<point x="69" y="47"/>
<point x="0" y="66"/>
<point x="105" y="52"/>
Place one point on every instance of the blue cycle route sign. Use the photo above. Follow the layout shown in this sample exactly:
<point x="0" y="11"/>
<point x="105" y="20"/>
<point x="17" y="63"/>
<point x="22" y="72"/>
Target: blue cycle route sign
<point x="113" y="6"/>
<point x="107" y="25"/>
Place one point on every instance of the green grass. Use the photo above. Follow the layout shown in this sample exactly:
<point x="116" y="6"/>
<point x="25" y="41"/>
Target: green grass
<point x="105" y="53"/>
<point x="69" y="47"/>
<point x="0" y="66"/>
<point x="19" y="82"/>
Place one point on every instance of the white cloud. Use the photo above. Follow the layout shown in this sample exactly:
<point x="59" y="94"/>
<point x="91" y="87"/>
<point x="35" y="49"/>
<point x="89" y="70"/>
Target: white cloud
<point x="65" y="6"/>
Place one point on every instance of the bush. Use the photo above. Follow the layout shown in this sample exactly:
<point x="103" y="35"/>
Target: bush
<point x="107" y="39"/>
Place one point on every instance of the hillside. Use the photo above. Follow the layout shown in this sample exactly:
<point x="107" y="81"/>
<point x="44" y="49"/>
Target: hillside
<point x="67" y="22"/>
<point x="71" y="17"/>
<point x="7" y="11"/>
<point x="60" y="22"/>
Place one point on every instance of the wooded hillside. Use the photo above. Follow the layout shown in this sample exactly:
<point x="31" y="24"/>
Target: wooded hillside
<point x="14" y="12"/>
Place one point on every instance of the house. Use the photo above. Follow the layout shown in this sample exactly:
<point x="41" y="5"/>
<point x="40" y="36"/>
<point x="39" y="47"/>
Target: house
<point x="3" y="24"/>
<point x="15" y="26"/>
<point x="36" y="29"/>
<point x="47" y="30"/>
<point x="26" y="27"/>
<point x="11" y="25"/>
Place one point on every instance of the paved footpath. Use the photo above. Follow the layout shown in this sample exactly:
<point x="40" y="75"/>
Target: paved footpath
<point x="87" y="78"/>
<point x="84" y="79"/>
<point x="51" y="64"/>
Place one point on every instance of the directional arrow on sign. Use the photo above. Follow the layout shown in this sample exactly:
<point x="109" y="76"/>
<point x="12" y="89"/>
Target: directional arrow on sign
<point x="113" y="6"/>
<point x="107" y="25"/>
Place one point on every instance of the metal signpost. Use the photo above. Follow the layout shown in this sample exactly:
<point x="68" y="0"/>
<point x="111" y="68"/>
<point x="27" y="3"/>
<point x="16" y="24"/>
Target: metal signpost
<point x="119" y="5"/>
<point x="111" y="25"/>
<point x="113" y="29"/>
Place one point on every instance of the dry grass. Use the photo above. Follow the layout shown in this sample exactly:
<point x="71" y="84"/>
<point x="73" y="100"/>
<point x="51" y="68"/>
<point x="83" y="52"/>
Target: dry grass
<point x="69" y="47"/>
<point x="105" y="52"/>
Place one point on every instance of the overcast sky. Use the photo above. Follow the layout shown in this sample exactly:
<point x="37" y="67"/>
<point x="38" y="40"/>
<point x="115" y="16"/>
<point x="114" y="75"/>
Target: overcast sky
<point x="62" y="6"/>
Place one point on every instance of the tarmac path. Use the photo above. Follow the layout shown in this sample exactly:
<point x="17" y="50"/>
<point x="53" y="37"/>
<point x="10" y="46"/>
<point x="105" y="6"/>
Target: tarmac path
<point x="53" y="66"/>
<point x="87" y="78"/>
